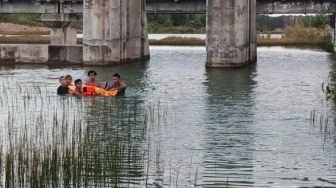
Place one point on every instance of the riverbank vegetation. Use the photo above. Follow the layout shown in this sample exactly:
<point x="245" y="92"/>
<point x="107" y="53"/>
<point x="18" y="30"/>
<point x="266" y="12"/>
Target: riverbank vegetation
<point x="25" y="39"/>
<point x="294" y="35"/>
<point x="297" y="33"/>
<point x="176" y="23"/>
<point x="49" y="141"/>
<point x="178" y="41"/>
<point x="195" y="24"/>
<point x="186" y="23"/>
<point x="24" y="19"/>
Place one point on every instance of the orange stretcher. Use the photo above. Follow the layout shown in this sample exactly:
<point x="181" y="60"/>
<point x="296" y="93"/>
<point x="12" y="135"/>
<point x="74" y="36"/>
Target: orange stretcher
<point x="91" y="90"/>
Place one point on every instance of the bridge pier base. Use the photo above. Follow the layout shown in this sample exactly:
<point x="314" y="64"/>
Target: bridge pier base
<point x="115" y="31"/>
<point x="231" y="33"/>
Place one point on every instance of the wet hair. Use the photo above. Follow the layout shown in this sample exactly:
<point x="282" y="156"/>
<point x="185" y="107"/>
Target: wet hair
<point x="61" y="78"/>
<point x="92" y="72"/>
<point x="67" y="77"/>
<point x="116" y="75"/>
<point x="77" y="81"/>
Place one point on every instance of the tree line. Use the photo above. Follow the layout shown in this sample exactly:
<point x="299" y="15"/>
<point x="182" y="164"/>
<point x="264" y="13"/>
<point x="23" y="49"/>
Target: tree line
<point x="190" y="22"/>
<point x="264" y="23"/>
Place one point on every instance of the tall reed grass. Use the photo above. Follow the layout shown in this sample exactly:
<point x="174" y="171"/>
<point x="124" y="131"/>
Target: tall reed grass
<point x="301" y="34"/>
<point x="52" y="141"/>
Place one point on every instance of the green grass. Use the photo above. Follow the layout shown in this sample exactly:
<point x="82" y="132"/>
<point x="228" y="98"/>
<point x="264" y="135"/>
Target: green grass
<point x="176" y="30"/>
<point x="25" y="19"/>
<point x="178" y="41"/>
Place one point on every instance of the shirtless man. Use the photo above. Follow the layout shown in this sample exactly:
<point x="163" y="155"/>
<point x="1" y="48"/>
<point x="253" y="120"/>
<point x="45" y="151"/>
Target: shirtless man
<point x="92" y="79"/>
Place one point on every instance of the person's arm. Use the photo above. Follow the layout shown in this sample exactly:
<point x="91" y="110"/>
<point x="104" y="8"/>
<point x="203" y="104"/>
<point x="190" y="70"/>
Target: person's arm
<point x="102" y="85"/>
<point x="106" y="86"/>
<point x="122" y="85"/>
<point x="59" y="91"/>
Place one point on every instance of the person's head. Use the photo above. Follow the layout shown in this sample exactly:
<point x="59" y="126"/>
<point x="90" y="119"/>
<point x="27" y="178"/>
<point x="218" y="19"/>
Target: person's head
<point x="116" y="78"/>
<point x="62" y="81"/>
<point x="78" y="84"/>
<point x="68" y="79"/>
<point x="92" y="75"/>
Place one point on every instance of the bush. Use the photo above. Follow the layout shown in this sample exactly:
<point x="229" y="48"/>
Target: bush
<point x="299" y="32"/>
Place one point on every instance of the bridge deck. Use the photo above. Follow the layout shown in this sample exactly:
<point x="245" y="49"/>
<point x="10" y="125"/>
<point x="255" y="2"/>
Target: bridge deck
<point x="170" y="6"/>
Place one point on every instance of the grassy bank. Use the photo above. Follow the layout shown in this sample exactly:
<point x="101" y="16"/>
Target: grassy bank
<point x="24" y="19"/>
<point x="325" y="44"/>
<point x="182" y="41"/>
<point x="27" y="39"/>
<point x="18" y="29"/>
<point x="178" y="41"/>
<point x="177" y="30"/>
<point x="294" y="35"/>
<point x="25" y="33"/>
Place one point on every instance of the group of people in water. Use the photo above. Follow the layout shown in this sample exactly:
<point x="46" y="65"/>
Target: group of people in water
<point x="92" y="86"/>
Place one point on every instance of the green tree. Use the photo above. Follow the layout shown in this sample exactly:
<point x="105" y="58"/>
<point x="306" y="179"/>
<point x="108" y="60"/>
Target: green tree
<point x="319" y="21"/>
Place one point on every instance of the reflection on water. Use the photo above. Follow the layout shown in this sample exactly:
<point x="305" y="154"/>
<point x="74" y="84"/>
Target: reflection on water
<point x="229" y="135"/>
<point x="180" y="125"/>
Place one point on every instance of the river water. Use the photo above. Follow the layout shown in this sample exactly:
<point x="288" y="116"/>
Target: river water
<point x="247" y="127"/>
<point x="163" y="36"/>
<point x="201" y="36"/>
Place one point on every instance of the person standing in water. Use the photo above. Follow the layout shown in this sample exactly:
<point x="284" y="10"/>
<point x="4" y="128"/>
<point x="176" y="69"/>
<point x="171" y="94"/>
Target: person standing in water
<point x="79" y="87"/>
<point x="63" y="89"/>
<point x="93" y="79"/>
<point x="117" y="85"/>
<point x="81" y="90"/>
<point x="68" y="79"/>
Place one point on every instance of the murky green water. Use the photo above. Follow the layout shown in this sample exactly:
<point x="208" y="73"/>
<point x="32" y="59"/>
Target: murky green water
<point x="180" y="125"/>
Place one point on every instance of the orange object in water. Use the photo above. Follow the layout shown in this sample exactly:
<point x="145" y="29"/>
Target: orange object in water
<point x="102" y="92"/>
<point x="91" y="90"/>
<point x="88" y="90"/>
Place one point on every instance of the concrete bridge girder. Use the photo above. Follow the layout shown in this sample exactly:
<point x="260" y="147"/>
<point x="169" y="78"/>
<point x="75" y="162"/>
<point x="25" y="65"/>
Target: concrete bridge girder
<point x="169" y="6"/>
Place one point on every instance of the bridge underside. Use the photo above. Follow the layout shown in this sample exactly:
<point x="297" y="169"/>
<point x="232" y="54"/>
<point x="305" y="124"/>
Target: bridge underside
<point x="115" y="31"/>
<point x="170" y="6"/>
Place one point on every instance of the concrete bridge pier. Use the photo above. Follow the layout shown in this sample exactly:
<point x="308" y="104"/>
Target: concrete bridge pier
<point x="231" y="33"/>
<point x="333" y="30"/>
<point x="63" y="36"/>
<point x="115" y="31"/>
<point x="62" y="28"/>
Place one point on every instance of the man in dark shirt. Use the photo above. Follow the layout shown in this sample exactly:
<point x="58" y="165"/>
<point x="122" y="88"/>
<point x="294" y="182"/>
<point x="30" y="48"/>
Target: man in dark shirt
<point x="117" y="85"/>
<point x="63" y="89"/>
